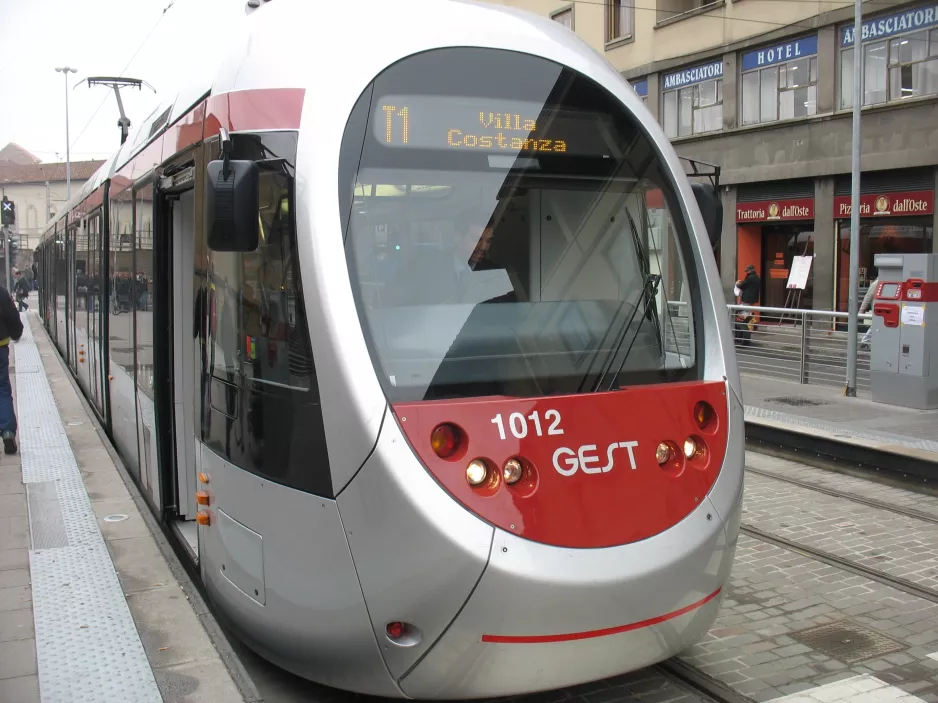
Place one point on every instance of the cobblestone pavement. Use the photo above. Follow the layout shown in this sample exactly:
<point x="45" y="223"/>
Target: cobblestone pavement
<point x="759" y="644"/>
<point x="796" y="629"/>
<point x="893" y="544"/>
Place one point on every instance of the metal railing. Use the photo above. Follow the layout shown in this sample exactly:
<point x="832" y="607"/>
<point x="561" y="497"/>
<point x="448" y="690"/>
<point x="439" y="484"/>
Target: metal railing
<point x="804" y="346"/>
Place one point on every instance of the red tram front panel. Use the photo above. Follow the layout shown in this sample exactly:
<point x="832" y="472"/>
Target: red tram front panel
<point x="596" y="470"/>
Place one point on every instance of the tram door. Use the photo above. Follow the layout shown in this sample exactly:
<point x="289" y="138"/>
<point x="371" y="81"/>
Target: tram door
<point x="179" y="231"/>
<point x="184" y="378"/>
<point x="72" y="294"/>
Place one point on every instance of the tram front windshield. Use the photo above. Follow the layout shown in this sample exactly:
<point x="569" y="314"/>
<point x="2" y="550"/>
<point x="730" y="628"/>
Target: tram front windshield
<point x="511" y="231"/>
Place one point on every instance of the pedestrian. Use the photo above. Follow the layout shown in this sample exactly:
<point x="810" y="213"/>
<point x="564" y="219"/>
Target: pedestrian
<point x="11" y="327"/>
<point x="21" y="289"/>
<point x="865" y="305"/>
<point x="750" y="288"/>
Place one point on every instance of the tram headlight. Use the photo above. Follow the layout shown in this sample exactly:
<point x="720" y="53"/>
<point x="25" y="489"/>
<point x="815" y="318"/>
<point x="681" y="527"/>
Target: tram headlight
<point x="663" y="453"/>
<point x="476" y="472"/>
<point x="690" y="448"/>
<point x="512" y="471"/>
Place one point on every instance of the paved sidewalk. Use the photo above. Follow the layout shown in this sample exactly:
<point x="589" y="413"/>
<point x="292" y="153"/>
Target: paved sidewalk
<point x="90" y="608"/>
<point x="824" y="410"/>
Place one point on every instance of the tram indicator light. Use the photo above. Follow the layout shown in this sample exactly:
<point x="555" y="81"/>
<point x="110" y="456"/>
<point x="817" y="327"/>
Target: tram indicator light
<point x="446" y="440"/>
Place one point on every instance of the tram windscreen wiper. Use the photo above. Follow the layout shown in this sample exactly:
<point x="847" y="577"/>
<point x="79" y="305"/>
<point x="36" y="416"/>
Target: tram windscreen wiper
<point x="650" y="282"/>
<point x="649" y="290"/>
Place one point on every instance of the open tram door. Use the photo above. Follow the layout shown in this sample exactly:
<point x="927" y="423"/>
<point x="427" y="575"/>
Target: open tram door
<point x="176" y="354"/>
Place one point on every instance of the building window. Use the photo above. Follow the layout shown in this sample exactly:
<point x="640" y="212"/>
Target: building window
<point x="666" y="9"/>
<point x="692" y="100"/>
<point x="780" y="82"/>
<point x="619" y="15"/>
<point x="564" y="17"/>
<point x="899" y="54"/>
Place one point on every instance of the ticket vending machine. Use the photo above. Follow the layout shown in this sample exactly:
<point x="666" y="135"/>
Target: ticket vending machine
<point x="904" y="350"/>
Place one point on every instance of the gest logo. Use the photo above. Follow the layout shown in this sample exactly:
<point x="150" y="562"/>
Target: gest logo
<point x="587" y="459"/>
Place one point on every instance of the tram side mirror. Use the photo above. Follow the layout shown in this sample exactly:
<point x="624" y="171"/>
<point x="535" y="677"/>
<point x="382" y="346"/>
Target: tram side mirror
<point x="232" y="202"/>
<point x="711" y="209"/>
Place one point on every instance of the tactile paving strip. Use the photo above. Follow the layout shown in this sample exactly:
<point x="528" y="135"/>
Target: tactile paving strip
<point x="833" y="428"/>
<point x="87" y="645"/>
<point x="86" y="642"/>
<point x="46" y="524"/>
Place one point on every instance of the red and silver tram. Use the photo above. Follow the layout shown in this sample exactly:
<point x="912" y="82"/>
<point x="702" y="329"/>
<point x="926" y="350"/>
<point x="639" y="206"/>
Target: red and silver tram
<point x="412" y="329"/>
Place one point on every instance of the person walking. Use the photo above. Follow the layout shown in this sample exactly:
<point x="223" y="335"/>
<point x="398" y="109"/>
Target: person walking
<point x="21" y="287"/>
<point x="11" y="327"/>
<point x="750" y="289"/>
<point x="865" y="306"/>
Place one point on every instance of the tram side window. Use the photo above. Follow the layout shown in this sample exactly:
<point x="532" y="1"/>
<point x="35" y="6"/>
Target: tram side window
<point x="263" y="413"/>
<point x="259" y="332"/>
<point x="120" y="270"/>
<point x="275" y="345"/>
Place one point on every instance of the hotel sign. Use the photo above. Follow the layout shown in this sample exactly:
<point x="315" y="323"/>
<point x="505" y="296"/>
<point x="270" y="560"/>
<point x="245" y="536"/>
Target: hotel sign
<point x="918" y="202"/>
<point x="776" y="210"/>
<point x="788" y="51"/>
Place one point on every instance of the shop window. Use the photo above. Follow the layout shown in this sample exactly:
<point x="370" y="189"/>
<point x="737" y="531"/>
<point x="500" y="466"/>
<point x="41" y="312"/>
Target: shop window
<point x="906" y="235"/>
<point x="897" y="67"/>
<point x="692" y="101"/>
<point x="780" y="92"/>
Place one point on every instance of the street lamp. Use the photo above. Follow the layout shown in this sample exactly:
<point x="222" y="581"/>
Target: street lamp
<point x="68" y="165"/>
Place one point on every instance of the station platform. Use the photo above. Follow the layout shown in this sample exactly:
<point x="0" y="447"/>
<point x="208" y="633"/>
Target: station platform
<point x="94" y="604"/>
<point x="824" y="412"/>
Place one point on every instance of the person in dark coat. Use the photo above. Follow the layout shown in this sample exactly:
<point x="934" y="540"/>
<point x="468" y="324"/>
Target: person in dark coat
<point x="21" y="287"/>
<point x="750" y="289"/>
<point x="11" y="328"/>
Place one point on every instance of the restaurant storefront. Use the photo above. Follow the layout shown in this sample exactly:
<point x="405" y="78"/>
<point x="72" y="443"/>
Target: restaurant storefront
<point x="891" y="221"/>
<point x="770" y="232"/>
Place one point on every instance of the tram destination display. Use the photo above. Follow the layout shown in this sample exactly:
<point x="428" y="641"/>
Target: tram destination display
<point x="491" y="126"/>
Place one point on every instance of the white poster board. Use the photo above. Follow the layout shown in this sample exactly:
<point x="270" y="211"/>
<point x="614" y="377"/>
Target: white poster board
<point x="800" y="269"/>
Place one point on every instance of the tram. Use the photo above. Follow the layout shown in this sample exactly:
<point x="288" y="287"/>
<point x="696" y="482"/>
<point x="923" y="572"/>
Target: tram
<point x="420" y="350"/>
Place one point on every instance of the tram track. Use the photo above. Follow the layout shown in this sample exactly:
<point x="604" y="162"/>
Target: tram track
<point x="897" y="582"/>
<point x="854" y="497"/>
<point x="696" y="681"/>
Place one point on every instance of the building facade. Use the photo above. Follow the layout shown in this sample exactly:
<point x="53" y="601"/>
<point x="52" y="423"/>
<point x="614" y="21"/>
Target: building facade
<point x="764" y="89"/>
<point x="38" y="191"/>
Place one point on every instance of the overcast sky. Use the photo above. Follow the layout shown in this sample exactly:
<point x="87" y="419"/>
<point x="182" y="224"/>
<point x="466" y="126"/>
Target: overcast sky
<point x="97" y="37"/>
